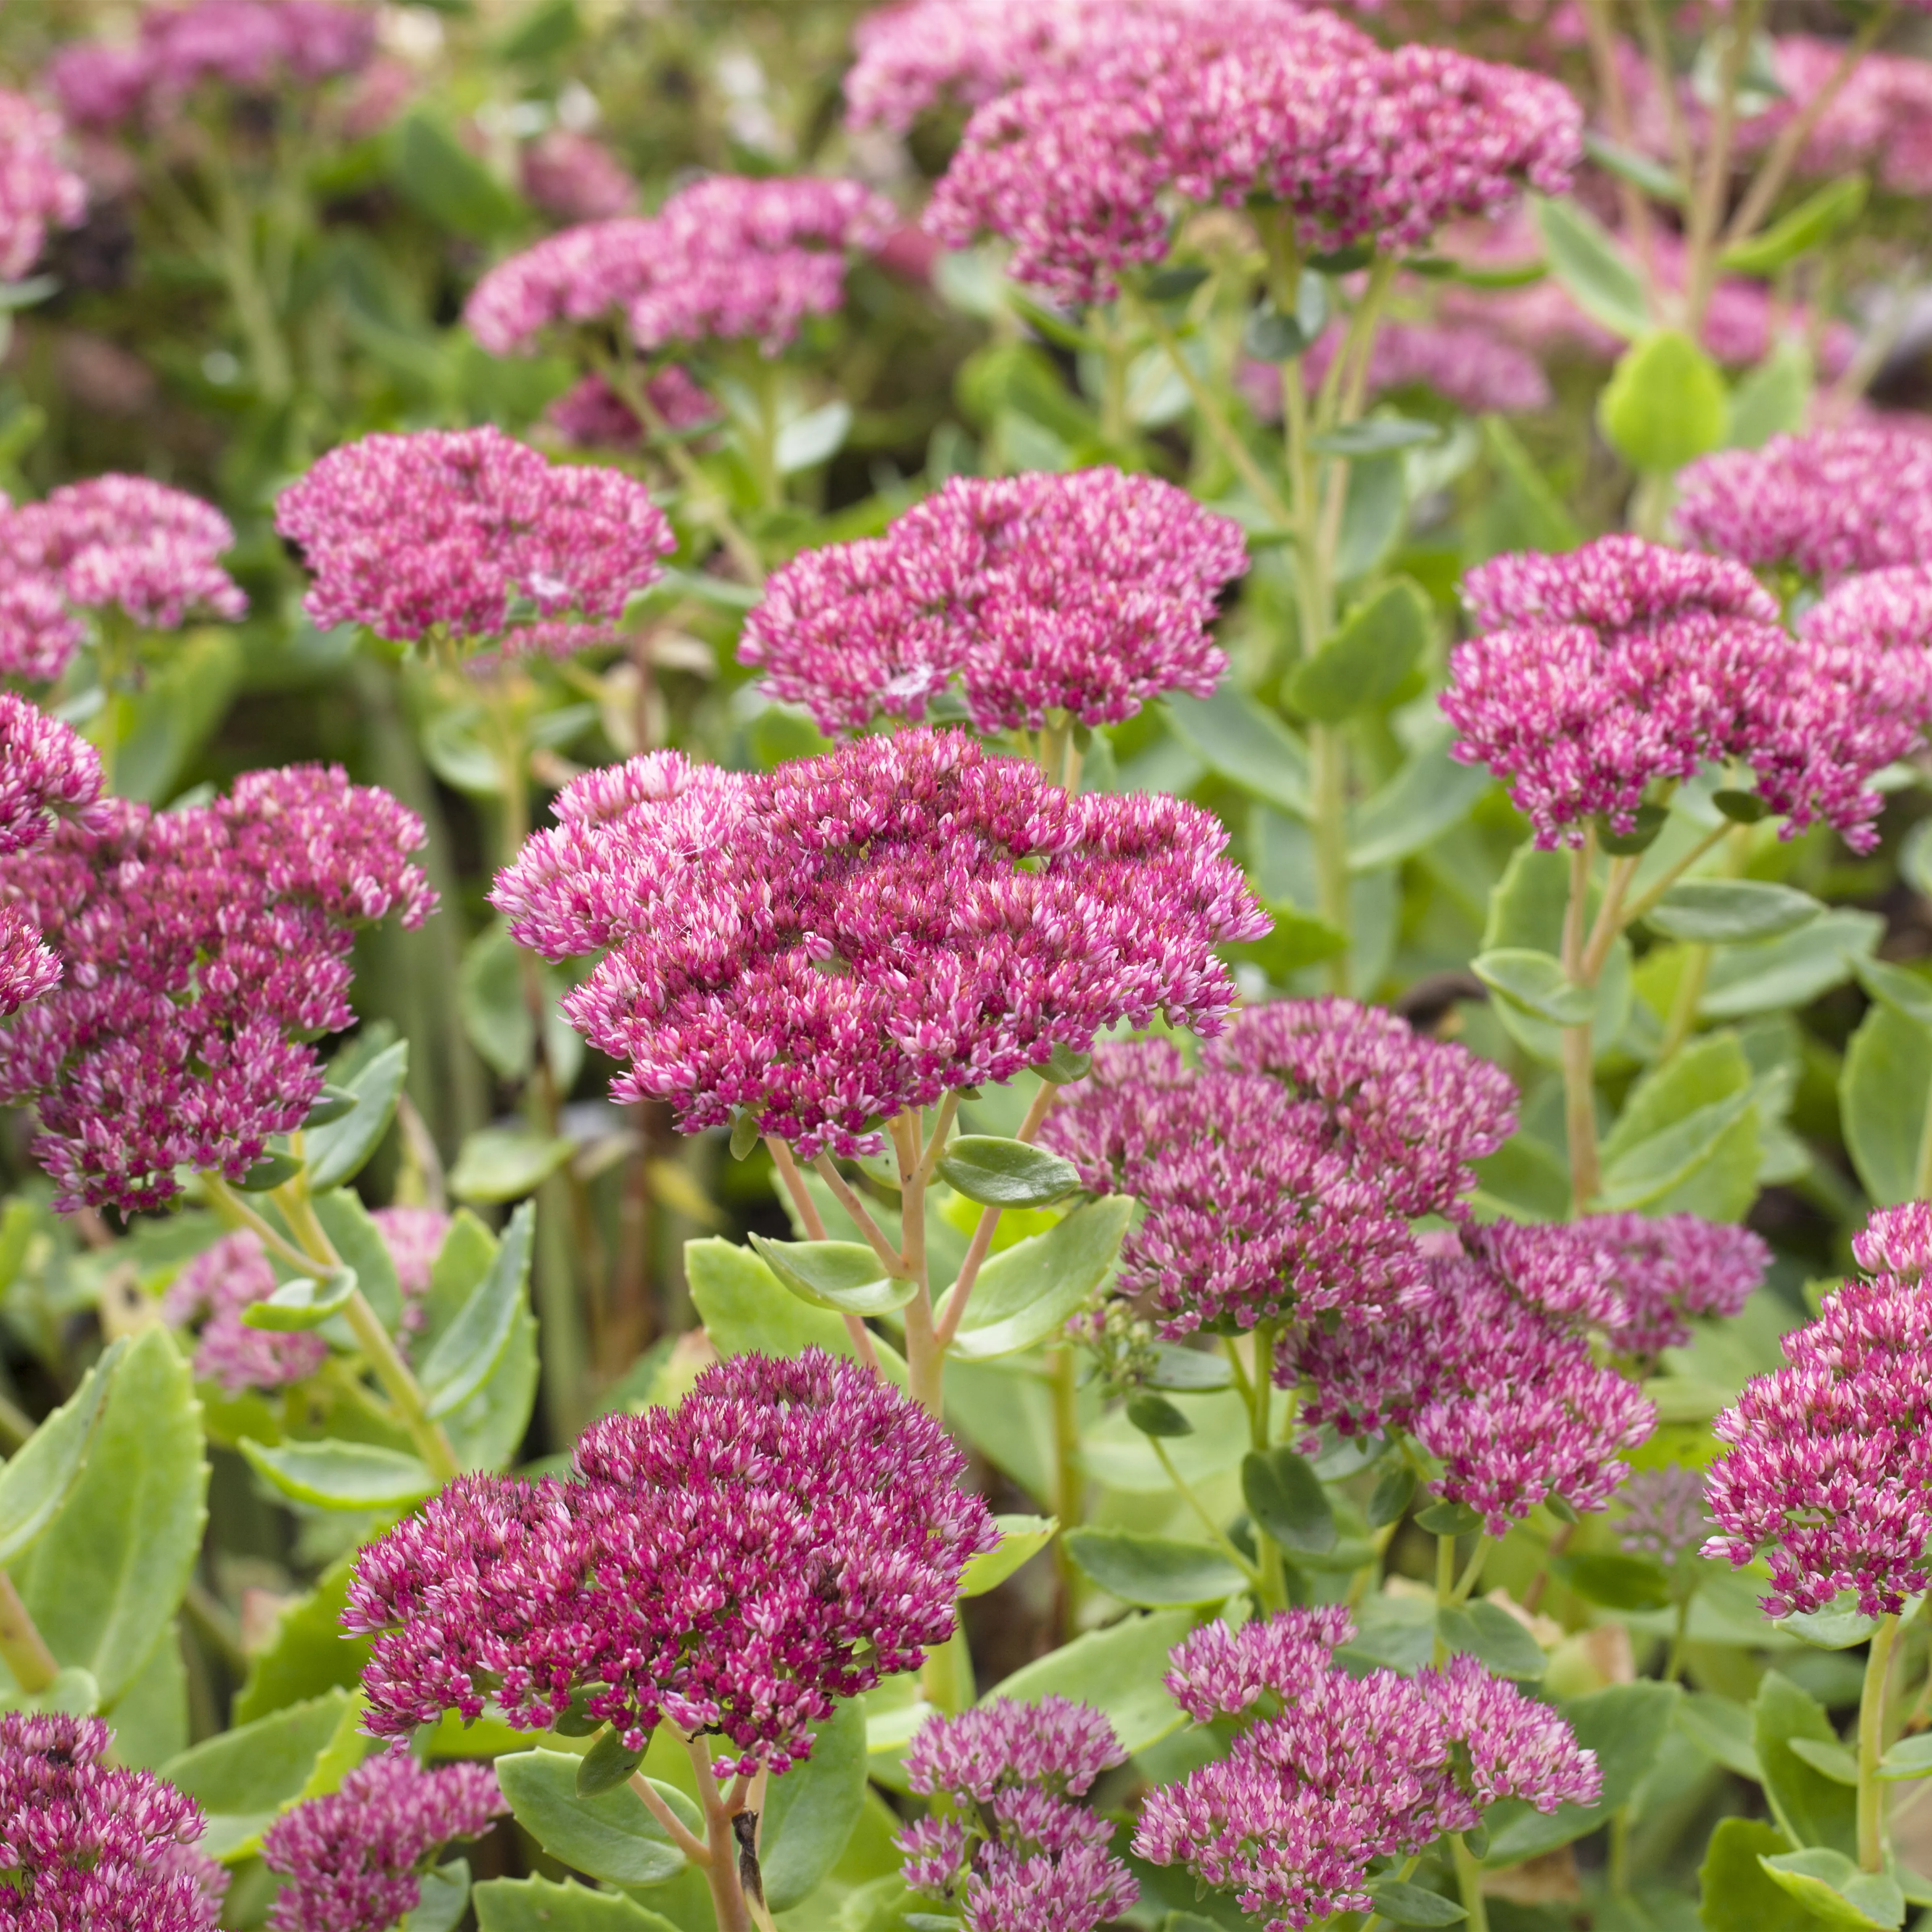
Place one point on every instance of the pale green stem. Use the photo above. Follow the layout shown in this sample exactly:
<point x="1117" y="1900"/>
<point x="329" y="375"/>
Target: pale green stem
<point x="721" y="1867"/>
<point x="1069" y="1477"/>
<point x="1469" y="1884"/>
<point x="1629" y="914"/>
<point x="1871" y="1745"/>
<point x="1328" y="804"/>
<point x="22" y="1649"/>
<point x="679" y="1834"/>
<point x="1222" y="1541"/>
<point x="952" y="1310"/>
<point x="1274" y="1585"/>
<point x="926" y="1357"/>
<point x="1579" y="1088"/>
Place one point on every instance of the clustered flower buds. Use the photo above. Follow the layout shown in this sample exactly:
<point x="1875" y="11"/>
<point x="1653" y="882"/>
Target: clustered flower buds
<point x="1668" y="1267"/>
<point x="592" y="415"/>
<point x="84" y="1843"/>
<point x="473" y="535"/>
<point x="1280" y="1177"/>
<point x="1329" y="1772"/>
<point x="826" y="945"/>
<point x="792" y="1533"/>
<point x="37" y="192"/>
<point x="205" y="949"/>
<point x="350" y="1861"/>
<point x="1016" y="1854"/>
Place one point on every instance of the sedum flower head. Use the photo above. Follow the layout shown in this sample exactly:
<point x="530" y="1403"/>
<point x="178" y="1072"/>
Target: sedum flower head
<point x="1605" y="669"/>
<point x="573" y="176"/>
<point x="583" y="274"/>
<point x="825" y="945"/>
<point x="37" y="191"/>
<point x="1891" y="609"/>
<point x="1826" y="1476"/>
<point x="350" y="1861"/>
<point x="205" y="949"/>
<point x="1663" y="1514"/>
<point x="591" y="415"/>
<point x="790" y="1534"/>
<point x="83" y="1844"/>
<point x="472" y="534"/>
<point x="1667" y="1267"/>
<point x="1083" y="594"/>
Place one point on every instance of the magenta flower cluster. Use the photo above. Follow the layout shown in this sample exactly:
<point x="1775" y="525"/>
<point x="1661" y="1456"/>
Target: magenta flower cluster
<point x="1891" y="609"/>
<point x="593" y="415"/>
<point x="250" y="46"/>
<point x="573" y="177"/>
<point x="1330" y="1771"/>
<point x="1235" y="105"/>
<point x="793" y="1532"/>
<point x="113" y="543"/>
<point x="1013" y="1851"/>
<point x="1471" y="364"/>
<point x="471" y="534"/>
<point x="37" y="191"/>
<point x="1083" y="594"/>
<point x="205" y="948"/>
<point x="84" y="1843"/>
<point x="1281" y="1176"/>
<point x="1603" y="670"/>
<point x="1488" y="1366"/>
<point x="1666" y="1268"/>
<point x="1827" y="1476"/>
<point x="823" y="946"/>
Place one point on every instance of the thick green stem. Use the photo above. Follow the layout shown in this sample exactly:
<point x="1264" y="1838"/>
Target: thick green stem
<point x="1273" y="1584"/>
<point x="926" y="1354"/>
<point x="721" y="1866"/>
<point x="22" y="1649"/>
<point x="1070" y="1479"/>
<point x="1871" y="1745"/>
<point x="1579" y="1089"/>
<point x="1228" y="1546"/>
<point x="1328" y="800"/>
<point x="1469" y="1885"/>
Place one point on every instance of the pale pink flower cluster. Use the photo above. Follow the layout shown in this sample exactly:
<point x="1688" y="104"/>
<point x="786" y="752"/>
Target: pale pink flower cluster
<point x="1667" y="1268"/>
<point x="823" y="946"/>
<point x="573" y="177"/>
<point x="581" y="275"/>
<point x="37" y="191"/>
<point x="1891" y="609"/>
<point x="1082" y="595"/>
<point x="46" y="769"/>
<point x="473" y="535"/>
<point x="593" y="415"/>
<point x="1469" y="363"/>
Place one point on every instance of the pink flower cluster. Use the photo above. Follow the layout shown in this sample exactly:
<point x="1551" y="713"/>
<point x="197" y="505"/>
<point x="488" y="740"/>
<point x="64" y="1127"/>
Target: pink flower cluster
<point x="1084" y="595"/>
<point x="1488" y="1366"/>
<point x="1666" y="1268"/>
<point x="1334" y="1771"/>
<point x="1890" y="608"/>
<point x="473" y="535"/>
<point x="1281" y="1176"/>
<point x="1663" y="1514"/>
<point x="45" y="769"/>
<point x="252" y="46"/>
<point x="85" y="1844"/>
<point x="791" y="1533"/>
<point x="414" y="1237"/>
<point x="1625" y="662"/>
<point x="205" y="950"/>
<point x="728" y="258"/>
<point x="351" y="1861"/>
<point x="1236" y="104"/>
<point x="1825" y="504"/>
<point x="1828" y="1475"/>
<point x="37" y="192"/>
<point x="826" y="945"/>
<point x="574" y="177"/>
<point x="593" y="415"/>
<point x="1470" y="364"/>
<point x="114" y="542"/>
<point x="1012" y="1850"/>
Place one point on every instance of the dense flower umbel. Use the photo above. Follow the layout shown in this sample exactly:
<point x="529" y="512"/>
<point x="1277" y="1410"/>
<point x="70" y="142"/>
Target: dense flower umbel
<point x="1668" y="1267"/>
<point x="1488" y="1366"/>
<point x="792" y="1533"/>
<point x="1663" y="1514"/>
<point x="1829" y="1477"/>
<point x="593" y="415"/>
<point x="348" y="1862"/>
<point x="1625" y="662"/>
<point x="574" y="177"/>
<point x="1334" y="1771"/>
<point x="82" y="1844"/>
<point x="1086" y="594"/>
<point x="1890" y="608"/>
<point x="45" y="768"/>
<point x="473" y="534"/>
<point x="829" y="944"/>
<point x="1280" y="1176"/>
<point x="1834" y="501"/>
<point x="121" y="543"/>
<point x="205" y="949"/>
<point x="1018" y="1855"/>
<point x="584" y="273"/>
<point x="36" y="192"/>
<point x="1235" y="104"/>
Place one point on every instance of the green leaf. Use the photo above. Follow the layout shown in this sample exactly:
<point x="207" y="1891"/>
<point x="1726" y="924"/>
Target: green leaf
<point x="1770" y="974"/>
<point x="304" y="1303"/>
<point x="541" y="1905"/>
<point x="337" y="1152"/>
<point x="608" y="1762"/>
<point x="1286" y="1499"/>
<point x="746" y="1310"/>
<point x="1721" y="1729"/>
<point x="1433" y="794"/>
<point x="1618" y="1583"/>
<point x="1829" y="1629"/>
<point x="1665" y="404"/>
<point x="1273" y="336"/>
<point x="342" y="1475"/>
<point x="1910" y="1757"/>
<point x="1448" y="1518"/>
<point x="843" y="1275"/>
<point x="470" y="1348"/>
<point x="1901" y="988"/>
<point x="1672" y="1133"/>
<point x="1030" y="1290"/>
<point x="491" y="1003"/>
<point x="438" y="176"/>
<point x="1645" y="823"/>
<point x="40" y="1474"/>
<point x="1153" y="1415"/>
<point x="1536" y="982"/>
<point x="1189" y="1370"/>
<point x="1600" y="279"/>
<point x="1063" y="1066"/>
<point x="1521" y="510"/>
<point x="1117" y="1670"/>
<point x="543" y="30"/>
<point x="814" y="438"/>
<point x="1021" y="1538"/>
<point x="1373" y="514"/>
<point x="1656" y="180"/>
<point x="242" y="1778"/>
<point x="1816" y="219"/>
<point x="1488" y="1632"/>
<point x="358" y="1239"/>
<point x="609" y="1836"/>
<point x="1403" y="1904"/>
<point x="103" y="1580"/>
<point x="1833" y="1760"/>
<point x="271" y="1170"/>
<point x="1773" y="399"/>
<point x="1246" y="744"/>
<point x="1809" y="1807"/>
<point x="1835" y="1891"/>
<point x="308" y="1653"/>
<point x="1883" y="1087"/>
<point x="1156" y="1571"/>
<point x="1364" y="664"/>
<point x="1006" y="1173"/>
<point x="1376" y="436"/>
<point x="1391" y="1497"/>
<point x="810" y="1812"/>
<point x="1738" y="1894"/>
<point x="1299" y="939"/>
<point x="498" y="1164"/>
<point x="444" y="1894"/>
<point x="1720" y="912"/>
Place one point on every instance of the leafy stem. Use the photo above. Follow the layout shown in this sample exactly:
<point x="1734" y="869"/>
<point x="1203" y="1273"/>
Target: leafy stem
<point x="22" y="1649"/>
<point x="1871" y="1745"/>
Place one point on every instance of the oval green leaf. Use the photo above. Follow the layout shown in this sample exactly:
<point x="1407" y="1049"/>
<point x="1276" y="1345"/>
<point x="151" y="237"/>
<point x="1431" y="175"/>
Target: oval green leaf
<point x="1030" y="1291"/>
<point x="1719" y="912"/>
<point x="1286" y="1499"/>
<point x="1000" y="1173"/>
<point x="1157" y="1571"/>
<point x="303" y="1303"/>
<point x="609" y="1836"/>
<point x="1021" y="1538"/>
<point x="842" y="1275"/>
<point x="1536" y="982"/>
<point x="342" y="1475"/>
